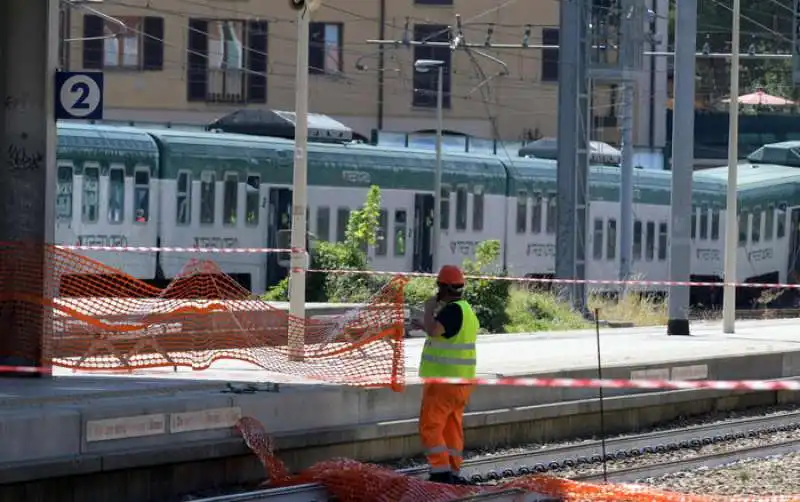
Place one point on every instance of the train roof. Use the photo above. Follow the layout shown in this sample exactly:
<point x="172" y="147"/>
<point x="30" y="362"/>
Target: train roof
<point x="127" y="141"/>
<point x="335" y="164"/>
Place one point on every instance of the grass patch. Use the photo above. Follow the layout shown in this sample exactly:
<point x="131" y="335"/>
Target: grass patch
<point x="641" y="310"/>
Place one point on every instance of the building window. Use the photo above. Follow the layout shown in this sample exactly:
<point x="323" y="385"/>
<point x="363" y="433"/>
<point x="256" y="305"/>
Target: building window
<point x="251" y="198"/>
<point x="637" y="240"/>
<point x="208" y="192"/>
<point x="611" y="240"/>
<point x="342" y="217"/>
<point x="141" y="195"/>
<point x="477" y="210"/>
<point x="183" y="199"/>
<point x="64" y="196"/>
<point x="650" y="241"/>
<point x="425" y="84"/>
<point x="91" y="194"/>
<point x="136" y="44"/>
<point x="382" y="233"/>
<point x="400" y="232"/>
<point x="325" y="48"/>
<point x="461" y="208"/>
<point x="64" y="31"/>
<point x="536" y="213"/>
<point x="549" y="56"/>
<point x="662" y="241"/>
<point x="597" y="240"/>
<point x="522" y="211"/>
<point x="230" y="192"/>
<point x="116" y="194"/>
<point x="227" y="61"/>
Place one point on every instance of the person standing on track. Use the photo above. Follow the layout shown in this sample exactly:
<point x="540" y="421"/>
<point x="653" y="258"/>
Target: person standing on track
<point x="449" y="352"/>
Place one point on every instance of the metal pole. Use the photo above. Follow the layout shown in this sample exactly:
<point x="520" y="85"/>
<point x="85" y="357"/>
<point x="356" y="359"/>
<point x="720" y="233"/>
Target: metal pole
<point x="626" y="188"/>
<point x="682" y="156"/>
<point x="437" y="184"/>
<point x="731" y="222"/>
<point x="297" y="277"/>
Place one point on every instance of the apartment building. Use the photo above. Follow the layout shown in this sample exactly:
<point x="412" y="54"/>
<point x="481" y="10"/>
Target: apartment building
<point x="192" y="61"/>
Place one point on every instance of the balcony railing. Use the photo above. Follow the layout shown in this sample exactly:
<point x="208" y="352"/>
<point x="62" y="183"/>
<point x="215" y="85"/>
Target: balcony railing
<point x="226" y="85"/>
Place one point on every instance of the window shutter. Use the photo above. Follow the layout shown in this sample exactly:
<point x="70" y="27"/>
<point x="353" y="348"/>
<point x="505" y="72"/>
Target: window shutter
<point x="197" y="59"/>
<point x="316" y="48"/>
<point x="153" y="44"/>
<point x="92" y="49"/>
<point x="257" y="62"/>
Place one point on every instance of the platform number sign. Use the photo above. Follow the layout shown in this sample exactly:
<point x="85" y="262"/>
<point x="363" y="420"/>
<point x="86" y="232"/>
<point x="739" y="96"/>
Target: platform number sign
<point x="796" y="43"/>
<point x="79" y="95"/>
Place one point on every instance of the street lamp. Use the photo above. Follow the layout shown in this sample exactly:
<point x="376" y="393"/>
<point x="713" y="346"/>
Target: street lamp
<point x="424" y="66"/>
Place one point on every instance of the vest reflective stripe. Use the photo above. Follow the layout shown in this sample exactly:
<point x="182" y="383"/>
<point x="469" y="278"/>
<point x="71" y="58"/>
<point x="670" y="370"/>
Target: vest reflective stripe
<point x="454" y="357"/>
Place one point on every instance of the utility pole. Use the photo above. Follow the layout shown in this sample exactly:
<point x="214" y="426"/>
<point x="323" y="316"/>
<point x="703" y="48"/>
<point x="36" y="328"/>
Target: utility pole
<point x="299" y="260"/>
<point x="680" y="256"/>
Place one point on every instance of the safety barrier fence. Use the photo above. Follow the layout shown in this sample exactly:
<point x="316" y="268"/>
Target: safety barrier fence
<point x="203" y="315"/>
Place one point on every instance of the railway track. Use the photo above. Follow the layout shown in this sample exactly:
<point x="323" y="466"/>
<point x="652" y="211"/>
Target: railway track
<point x="591" y="452"/>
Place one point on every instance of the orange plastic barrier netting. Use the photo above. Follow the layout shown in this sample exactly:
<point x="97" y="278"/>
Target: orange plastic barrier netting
<point x="96" y="317"/>
<point x="352" y="481"/>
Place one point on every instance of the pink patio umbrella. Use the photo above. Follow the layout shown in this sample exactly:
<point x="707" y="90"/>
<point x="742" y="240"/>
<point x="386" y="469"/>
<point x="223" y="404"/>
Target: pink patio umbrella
<point x="761" y="98"/>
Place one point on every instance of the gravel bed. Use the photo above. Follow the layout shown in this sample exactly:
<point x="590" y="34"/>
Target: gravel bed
<point x="767" y="476"/>
<point x="718" y="417"/>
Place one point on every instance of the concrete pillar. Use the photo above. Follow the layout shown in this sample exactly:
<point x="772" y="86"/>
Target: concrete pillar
<point x="28" y="59"/>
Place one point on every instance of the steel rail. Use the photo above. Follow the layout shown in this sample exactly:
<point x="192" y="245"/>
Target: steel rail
<point x="547" y="459"/>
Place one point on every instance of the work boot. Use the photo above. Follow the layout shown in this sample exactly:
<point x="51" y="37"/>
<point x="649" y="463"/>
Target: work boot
<point x="441" y="477"/>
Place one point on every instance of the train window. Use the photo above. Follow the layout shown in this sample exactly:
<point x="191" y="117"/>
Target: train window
<point x="755" y="229"/>
<point x="324" y="223"/>
<point x="637" y="240"/>
<point x="383" y="226"/>
<point x="400" y="232"/>
<point x="522" y="211"/>
<point x="208" y="193"/>
<point x="461" y="208"/>
<point x="715" y="223"/>
<point x="597" y="239"/>
<point x="91" y="194"/>
<point x="445" y="209"/>
<point x="694" y="222"/>
<point x="64" y="197"/>
<point x="703" y="222"/>
<point x="230" y="192"/>
<point x="781" y="217"/>
<point x="769" y="223"/>
<point x="551" y="213"/>
<point x="743" y="221"/>
<point x="342" y="217"/>
<point x="183" y="199"/>
<point x="650" y="241"/>
<point x="252" y="196"/>
<point x="116" y="194"/>
<point x="662" y="241"/>
<point x="611" y="240"/>
<point x="536" y="213"/>
<point x="141" y="195"/>
<point x="477" y="209"/>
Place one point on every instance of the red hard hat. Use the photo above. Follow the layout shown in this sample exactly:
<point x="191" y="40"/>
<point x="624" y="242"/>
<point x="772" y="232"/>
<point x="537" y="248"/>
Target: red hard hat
<point x="451" y="275"/>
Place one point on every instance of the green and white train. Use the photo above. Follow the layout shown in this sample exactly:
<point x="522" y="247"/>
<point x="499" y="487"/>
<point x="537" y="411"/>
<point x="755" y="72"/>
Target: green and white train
<point x="121" y="186"/>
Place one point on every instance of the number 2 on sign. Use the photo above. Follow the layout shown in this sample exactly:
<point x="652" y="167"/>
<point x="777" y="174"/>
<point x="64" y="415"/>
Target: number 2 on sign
<point x="83" y="89"/>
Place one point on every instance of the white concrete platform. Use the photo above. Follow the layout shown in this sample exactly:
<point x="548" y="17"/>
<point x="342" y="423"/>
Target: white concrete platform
<point x="72" y="417"/>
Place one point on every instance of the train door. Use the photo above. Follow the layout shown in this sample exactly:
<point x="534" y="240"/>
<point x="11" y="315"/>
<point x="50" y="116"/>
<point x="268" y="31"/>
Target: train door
<point x="794" y="247"/>
<point x="423" y="236"/>
<point x="279" y="233"/>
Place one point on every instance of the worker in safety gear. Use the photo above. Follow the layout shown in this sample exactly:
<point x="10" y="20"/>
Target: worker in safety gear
<point x="449" y="352"/>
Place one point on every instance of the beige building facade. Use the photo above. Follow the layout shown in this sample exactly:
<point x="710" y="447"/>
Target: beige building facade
<point x="192" y="61"/>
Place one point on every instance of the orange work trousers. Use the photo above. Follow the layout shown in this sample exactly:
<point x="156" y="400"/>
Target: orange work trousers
<point x="441" y="425"/>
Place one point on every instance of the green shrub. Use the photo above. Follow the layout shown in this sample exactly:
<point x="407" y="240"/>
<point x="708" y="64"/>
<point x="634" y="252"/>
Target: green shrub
<point x="532" y="311"/>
